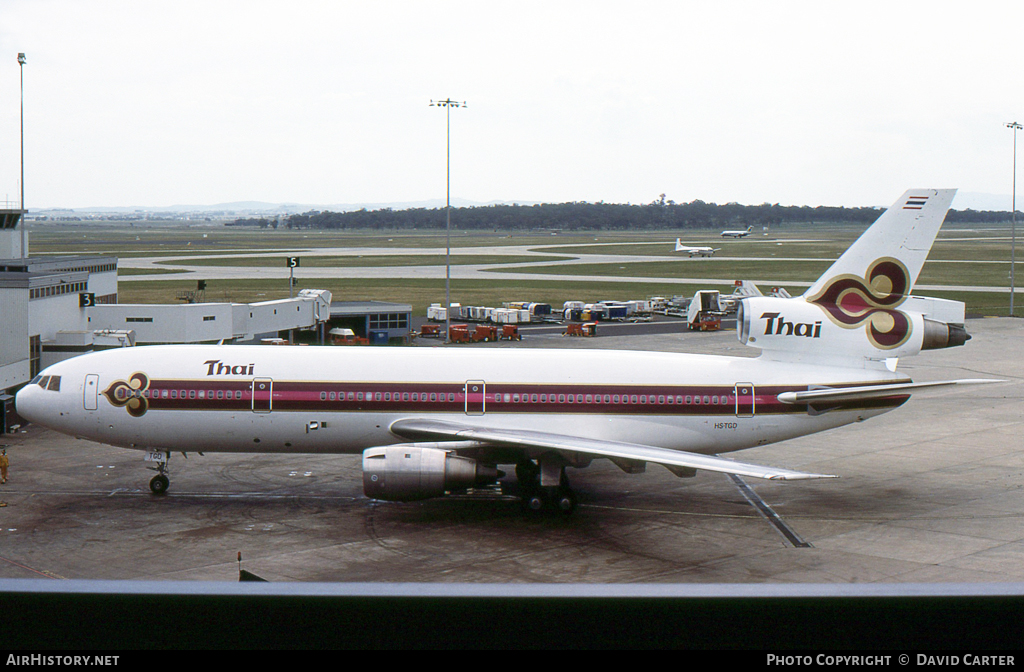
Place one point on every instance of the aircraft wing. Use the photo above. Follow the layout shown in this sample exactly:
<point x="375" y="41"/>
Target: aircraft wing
<point x="422" y="429"/>
<point x="840" y="394"/>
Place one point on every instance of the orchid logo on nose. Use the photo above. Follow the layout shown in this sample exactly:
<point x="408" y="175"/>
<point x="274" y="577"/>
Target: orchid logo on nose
<point x="852" y="302"/>
<point x="130" y="394"/>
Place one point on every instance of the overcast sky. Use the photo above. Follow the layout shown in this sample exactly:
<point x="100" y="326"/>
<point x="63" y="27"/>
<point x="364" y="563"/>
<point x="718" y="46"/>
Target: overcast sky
<point x="803" y="103"/>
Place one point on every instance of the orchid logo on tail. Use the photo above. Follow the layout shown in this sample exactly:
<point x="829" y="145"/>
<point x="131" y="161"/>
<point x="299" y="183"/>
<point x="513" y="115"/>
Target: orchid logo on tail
<point x="130" y="394"/>
<point x="851" y="302"/>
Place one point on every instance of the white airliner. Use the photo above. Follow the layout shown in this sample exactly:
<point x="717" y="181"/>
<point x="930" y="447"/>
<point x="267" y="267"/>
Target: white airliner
<point x="696" y="251"/>
<point x="737" y="234"/>
<point x="429" y="421"/>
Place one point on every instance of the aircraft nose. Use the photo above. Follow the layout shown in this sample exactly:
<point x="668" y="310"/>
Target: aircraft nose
<point x="27" y="403"/>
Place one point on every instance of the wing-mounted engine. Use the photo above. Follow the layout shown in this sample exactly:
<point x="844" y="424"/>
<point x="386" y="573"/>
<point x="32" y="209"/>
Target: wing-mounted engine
<point x="409" y="472"/>
<point x="800" y="329"/>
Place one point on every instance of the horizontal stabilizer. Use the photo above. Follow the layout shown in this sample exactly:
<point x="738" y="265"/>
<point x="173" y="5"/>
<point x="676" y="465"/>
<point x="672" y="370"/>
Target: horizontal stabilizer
<point x="842" y="394"/>
<point x="419" y="429"/>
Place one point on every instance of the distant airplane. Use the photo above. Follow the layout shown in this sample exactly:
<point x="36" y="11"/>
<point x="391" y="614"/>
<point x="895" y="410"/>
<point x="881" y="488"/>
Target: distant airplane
<point x="737" y="234"/>
<point x="696" y="251"/>
<point x="430" y="421"/>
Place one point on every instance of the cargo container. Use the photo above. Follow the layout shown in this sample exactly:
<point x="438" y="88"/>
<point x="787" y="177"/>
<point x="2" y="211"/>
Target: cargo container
<point x="615" y="311"/>
<point x="436" y="313"/>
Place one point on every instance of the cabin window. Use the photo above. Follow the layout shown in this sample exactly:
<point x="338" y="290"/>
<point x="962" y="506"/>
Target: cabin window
<point x="633" y="399"/>
<point x="359" y="396"/>
<point x="387" y="396"/>
<point x="533" y="398"/>
<point x="561" y="398"/>
<point x="590" y="398"/>
<point x="323" y="396"/>
<point x="405" y="396"/>
<point x="351" y="396"/>
<point x="451" y="396"/>
<point x="191" y="394"/>
<point x="174" y="394"/>
<point x="433" y="396"/>
<point x="689" y="399"/>
<point x="220" y="394"/>
<point x="661" y="399"/>
<point x="714" y="399"/>
<point x="332" y="396"/>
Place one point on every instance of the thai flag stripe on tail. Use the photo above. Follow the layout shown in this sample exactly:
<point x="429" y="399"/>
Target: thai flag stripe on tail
<point x="915" y="203"/>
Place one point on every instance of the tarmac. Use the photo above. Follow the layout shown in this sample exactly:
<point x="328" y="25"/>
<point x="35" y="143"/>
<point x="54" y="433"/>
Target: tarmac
<point x="932" y="492"/>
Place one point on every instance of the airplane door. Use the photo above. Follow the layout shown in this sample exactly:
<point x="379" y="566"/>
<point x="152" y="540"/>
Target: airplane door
<point x="744" y="400"/>
<point x="474" y="395"/>
<point x="262" y="395"/>
<point x="90" y="392"/>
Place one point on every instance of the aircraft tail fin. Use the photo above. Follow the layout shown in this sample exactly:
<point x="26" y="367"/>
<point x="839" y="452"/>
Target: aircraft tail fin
<point x="888" y="256"/>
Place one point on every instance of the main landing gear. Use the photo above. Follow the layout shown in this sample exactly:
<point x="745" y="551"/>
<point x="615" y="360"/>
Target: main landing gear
<point x="545" y="488"/>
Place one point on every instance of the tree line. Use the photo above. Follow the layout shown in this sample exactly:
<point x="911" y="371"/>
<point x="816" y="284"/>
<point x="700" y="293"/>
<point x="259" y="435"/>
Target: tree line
<point x="659" y="215"/>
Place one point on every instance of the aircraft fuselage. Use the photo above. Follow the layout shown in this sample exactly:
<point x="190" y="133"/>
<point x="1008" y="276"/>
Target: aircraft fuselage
<point x="344" y="400"/>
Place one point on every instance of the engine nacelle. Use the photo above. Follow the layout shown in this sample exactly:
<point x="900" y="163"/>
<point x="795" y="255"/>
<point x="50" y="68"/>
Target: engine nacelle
<point x="408" y="472"/>
<point x="939" y="335"/>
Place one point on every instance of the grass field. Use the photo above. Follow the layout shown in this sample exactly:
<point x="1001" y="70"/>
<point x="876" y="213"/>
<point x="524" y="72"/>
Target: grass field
<point x="804" y="252"/>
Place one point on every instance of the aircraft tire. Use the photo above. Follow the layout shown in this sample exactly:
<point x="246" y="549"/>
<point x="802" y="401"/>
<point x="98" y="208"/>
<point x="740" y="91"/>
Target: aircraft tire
<point x="565" y="501"/>
<point x="534" y="502"/>
<point x="159" y="484"/>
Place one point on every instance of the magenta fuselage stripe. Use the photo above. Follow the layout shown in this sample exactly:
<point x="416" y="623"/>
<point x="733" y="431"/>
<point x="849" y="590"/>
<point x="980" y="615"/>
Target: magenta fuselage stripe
<point x="451" y="398"/>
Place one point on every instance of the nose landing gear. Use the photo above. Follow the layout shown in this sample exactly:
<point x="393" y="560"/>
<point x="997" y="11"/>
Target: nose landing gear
<point x="159" y="483"/>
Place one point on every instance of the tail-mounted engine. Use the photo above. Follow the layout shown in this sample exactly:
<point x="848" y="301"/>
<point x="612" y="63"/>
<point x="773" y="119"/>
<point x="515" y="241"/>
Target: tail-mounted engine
<point x="408" y="472"/>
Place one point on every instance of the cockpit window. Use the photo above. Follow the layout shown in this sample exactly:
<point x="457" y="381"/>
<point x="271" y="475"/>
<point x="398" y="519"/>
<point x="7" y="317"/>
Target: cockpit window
<point x="54" y="385"/>
<point x="34" y="380"/>
<point x="44" y="381"/>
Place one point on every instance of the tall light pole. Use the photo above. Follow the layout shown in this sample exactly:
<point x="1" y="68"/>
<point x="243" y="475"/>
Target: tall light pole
<point x="24" y="242"/>
<point x="448" y="104"/>
<point x="1013" y="230"/>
